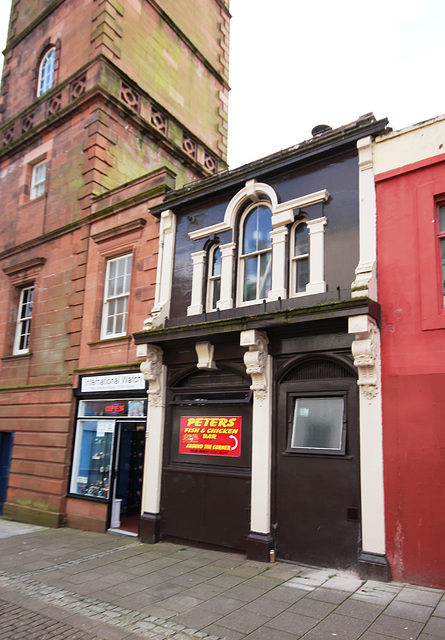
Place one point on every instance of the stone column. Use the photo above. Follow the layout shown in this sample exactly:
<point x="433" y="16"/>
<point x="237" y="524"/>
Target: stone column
<point x="259" y="367"/>
<point x="227" y="253"/>
<point x="155" y="372"/>
<point x="316" y="282"/>
<point x="199" y="261"/>
<point x="366" y="351"/>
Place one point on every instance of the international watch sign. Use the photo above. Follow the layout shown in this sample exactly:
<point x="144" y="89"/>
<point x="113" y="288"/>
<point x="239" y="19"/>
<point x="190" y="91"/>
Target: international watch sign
<point x="132" y="381"/>
<point x="211" y="435"/>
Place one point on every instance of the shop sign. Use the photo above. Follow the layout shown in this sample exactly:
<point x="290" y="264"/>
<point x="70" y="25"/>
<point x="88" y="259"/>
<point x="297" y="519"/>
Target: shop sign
<point x="211" y="435"/>
<point x="113" y="382"/>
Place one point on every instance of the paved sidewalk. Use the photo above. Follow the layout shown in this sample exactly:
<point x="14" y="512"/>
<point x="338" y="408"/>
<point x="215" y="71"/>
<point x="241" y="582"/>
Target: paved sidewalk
<point x="73" y="585"/>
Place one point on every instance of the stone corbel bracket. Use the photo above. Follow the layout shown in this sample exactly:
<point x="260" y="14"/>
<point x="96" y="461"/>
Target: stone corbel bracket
<point x="204" y="351"/>
<point x="255" y="360"/>
<point x="151" y="369"/>
<point x="366" y="352"/>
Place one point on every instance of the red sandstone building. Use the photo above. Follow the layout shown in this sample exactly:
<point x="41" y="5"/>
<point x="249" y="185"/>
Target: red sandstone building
<point x="105" y="106"/>
<point x="409" y="170"/>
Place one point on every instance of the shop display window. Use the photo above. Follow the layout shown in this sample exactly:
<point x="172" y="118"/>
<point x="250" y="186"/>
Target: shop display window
<point x="92" y="458"/>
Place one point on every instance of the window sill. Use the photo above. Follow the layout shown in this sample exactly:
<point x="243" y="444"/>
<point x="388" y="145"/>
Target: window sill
<point x="111" y="340"/>
<point x="18" y="356"/>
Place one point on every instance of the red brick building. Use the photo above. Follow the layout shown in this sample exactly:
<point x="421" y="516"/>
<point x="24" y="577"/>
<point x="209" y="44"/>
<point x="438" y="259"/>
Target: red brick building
<point x="105" y="106"/>
<point x="409" y="170"/>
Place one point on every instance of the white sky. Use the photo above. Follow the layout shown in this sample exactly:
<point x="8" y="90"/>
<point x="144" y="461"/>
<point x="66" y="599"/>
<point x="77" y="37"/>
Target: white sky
<point x="299" y="63"/>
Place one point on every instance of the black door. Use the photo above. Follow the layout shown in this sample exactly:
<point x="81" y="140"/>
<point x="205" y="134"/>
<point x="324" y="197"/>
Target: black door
<point x="6" y="439"/>
<point x="130" y="467"/>
<point x="206" y="476"/>
<point x="317" y="498"/>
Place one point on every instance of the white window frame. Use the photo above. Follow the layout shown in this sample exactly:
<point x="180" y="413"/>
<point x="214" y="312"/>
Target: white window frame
<point x="46" y="72"/>
<point x="112" y="298"/>
<point x="38" y="180"/>
<point x="316" y="282"/>
<point x="243" y="257"/>
<point x="24" y="317"/>
<point x="293" y="261"/>
<point x="212" y="305"/>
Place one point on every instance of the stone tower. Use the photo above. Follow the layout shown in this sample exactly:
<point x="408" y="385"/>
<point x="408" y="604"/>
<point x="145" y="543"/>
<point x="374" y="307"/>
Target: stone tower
<point x="104" y="106"/>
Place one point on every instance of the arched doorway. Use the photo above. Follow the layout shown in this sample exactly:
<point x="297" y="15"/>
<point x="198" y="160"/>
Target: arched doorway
<point x="317" y="482"/>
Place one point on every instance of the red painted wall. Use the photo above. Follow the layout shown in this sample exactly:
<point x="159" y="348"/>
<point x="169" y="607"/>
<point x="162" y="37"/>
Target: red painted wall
<point x="413" y="370"/>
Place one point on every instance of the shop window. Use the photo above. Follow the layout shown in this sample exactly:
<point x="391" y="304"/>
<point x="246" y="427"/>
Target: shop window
<point x="441" y="237"/>
<point x="46" y="72"/>
<point x="318" y="425"/>
<point x="300" y="258"/>
<point x="38" y="180"/>
<point x="92" y="458"/>
<point x="255" y="260"/>
<point x="116" y="297"/>
<point x="24" y="315"/>
<point x="214" y="278"/>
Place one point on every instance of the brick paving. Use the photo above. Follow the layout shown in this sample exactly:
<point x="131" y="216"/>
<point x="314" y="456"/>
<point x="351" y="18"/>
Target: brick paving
<point x="75" y="585"/>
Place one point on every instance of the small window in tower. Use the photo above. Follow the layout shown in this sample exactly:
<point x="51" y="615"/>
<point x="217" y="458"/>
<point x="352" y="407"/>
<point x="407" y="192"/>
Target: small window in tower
<point x="46" y="72"/>
<point x="38" y="180"/>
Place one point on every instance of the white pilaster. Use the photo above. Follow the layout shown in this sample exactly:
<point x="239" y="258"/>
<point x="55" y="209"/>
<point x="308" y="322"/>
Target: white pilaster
<point x="227" y="253"/>
<point x="259" y="367"/>
<point x="365" y="283"/>
<point x="279" y="233"/>
<point x="164" y="272"/>
<point x="366" y="352"/>
<point x="155" y="372"/>
<point x="316" y="282"/>
<point x="199" y="261"/>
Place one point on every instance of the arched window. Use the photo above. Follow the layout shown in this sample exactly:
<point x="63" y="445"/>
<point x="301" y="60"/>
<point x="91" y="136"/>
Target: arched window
<point x="299" y="276"/>
<point x="46" y="72"/>
<point x="255" y="259"/>
<point x="214" y="278"/>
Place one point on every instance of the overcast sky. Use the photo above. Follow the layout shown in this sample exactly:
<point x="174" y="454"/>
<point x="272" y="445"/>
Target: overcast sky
<point x="299" y="63"/>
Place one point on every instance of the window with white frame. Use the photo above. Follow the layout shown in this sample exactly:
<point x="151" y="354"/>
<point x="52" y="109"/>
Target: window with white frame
<point x="24" y="315"/>
<point x="255" y="259"/>
<point x="38" y="180"/>
<point x="46" y="72"/>
<point x="117" y="293"/>
<point x="299" y="264"/>
<point x="214" y="278"/>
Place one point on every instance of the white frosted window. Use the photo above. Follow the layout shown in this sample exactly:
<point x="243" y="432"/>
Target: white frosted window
<point x="318" y="424"/>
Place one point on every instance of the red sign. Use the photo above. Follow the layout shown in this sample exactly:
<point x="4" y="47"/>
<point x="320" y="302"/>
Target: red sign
<point x="211" y="436"/>
<point x="115" y="408"/>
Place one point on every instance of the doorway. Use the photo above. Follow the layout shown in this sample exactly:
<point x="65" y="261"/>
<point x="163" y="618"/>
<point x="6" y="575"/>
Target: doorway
<point x="206" y="476"/>
<point x="129" y="468"/>
<point x="6" y="440"/>
<point x="317" y="489"/>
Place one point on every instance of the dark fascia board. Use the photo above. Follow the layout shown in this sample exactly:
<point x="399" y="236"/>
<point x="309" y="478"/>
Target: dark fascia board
<point x="220" y="330"/>
<point x="326" y="144"/>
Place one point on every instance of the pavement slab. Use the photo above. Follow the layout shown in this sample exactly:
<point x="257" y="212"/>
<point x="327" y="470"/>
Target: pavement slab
<point x="76" y="585"/>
